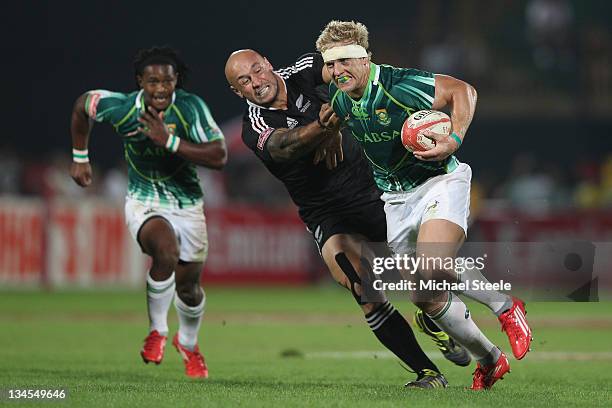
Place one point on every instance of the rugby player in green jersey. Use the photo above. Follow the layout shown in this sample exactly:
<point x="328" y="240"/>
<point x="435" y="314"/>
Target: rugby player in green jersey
<point x="289" y="128"/>
<point x="166" y="133"/>
<point x="426" y="194"/>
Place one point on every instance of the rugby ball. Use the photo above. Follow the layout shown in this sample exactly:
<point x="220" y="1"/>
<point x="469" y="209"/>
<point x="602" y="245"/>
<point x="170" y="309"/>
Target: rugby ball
<point x="436" y="121"/>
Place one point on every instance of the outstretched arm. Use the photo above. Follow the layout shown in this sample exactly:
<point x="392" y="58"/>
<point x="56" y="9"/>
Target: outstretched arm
<point x="80" y="127"/>
<point x="461" y="97"/>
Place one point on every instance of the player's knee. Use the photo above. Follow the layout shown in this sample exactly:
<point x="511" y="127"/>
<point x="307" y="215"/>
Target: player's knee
<point x="190" y="293"/>
<point x="166" y="257"/>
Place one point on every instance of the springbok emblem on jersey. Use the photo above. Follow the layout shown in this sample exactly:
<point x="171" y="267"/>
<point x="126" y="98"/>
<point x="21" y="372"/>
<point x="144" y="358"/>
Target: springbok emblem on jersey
<point x="383" y="117"/>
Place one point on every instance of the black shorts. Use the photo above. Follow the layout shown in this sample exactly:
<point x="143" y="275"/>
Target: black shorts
<point x="368" y="220"/>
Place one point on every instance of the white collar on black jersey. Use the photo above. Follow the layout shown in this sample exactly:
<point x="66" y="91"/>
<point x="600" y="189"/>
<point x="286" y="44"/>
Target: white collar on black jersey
<point x="263" y="107"/>
<point x="139" y="99"/>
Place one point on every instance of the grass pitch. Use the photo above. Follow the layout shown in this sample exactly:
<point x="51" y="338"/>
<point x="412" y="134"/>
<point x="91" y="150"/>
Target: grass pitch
<point x="283" y="347"/>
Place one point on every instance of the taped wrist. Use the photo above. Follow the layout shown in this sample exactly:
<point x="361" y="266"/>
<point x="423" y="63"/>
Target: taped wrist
<point x="80" y="156"/>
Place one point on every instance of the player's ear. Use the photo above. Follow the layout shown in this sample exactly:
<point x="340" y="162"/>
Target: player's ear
<point x="237" y="92"/>
<point x="139" y="80"/>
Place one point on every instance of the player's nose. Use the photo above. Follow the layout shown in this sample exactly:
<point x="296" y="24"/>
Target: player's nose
<point x="160" y="88"/>
<point x="338" y="68"/>
<point x="256" y="82"/>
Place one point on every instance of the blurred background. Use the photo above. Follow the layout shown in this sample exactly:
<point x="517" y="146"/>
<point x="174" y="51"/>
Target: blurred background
<point x="540" y="145"/>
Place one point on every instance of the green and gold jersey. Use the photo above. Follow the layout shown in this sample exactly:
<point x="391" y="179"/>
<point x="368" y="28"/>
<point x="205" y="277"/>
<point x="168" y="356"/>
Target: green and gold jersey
<point x="157" y="177"/>
<point x="376" y="120"/>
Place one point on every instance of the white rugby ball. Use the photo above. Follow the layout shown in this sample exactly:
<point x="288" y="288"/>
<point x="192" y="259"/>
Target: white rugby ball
<point x="436" y="121"/>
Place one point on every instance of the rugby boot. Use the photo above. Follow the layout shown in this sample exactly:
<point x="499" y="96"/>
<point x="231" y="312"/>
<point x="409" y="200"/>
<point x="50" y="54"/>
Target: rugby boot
<point x="153" y="348"/>
<point x="195" y="366"/>
<point x="486" y="376"/>
<point x="428" y="379"/>
<point x="514" y="323"/>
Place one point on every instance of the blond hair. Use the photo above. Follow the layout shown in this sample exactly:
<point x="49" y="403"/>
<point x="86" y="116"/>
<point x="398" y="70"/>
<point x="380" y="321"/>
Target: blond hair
<point x="345" y="32"/>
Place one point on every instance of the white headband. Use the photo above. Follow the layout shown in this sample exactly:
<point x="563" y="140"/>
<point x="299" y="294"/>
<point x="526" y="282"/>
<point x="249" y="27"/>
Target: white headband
<point x="344" y="51"/>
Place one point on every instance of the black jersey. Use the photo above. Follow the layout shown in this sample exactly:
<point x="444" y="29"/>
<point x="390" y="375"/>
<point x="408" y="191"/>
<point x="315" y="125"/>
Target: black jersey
<point x="316" y="190"/>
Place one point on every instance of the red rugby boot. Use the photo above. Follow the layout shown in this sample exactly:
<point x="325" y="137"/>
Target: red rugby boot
<point x="195" y="366"/>
<point x="153" y="349"/>
<point x="514" y="323"/>
<point x="486" y="376"/>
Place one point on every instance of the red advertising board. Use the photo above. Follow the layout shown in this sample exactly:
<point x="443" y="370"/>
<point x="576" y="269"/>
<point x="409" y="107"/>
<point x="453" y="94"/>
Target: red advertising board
<point x="86" y="243"/>
<point x="254" y="245"/>
<point x="21" y="241"/>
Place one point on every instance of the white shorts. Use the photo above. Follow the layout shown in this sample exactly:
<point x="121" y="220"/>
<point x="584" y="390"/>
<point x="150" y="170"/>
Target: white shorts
<point x="189" y="225"/>
<point x="445" y="197"/>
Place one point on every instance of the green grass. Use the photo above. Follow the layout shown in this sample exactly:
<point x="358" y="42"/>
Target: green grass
<point x="88" y="342"/>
